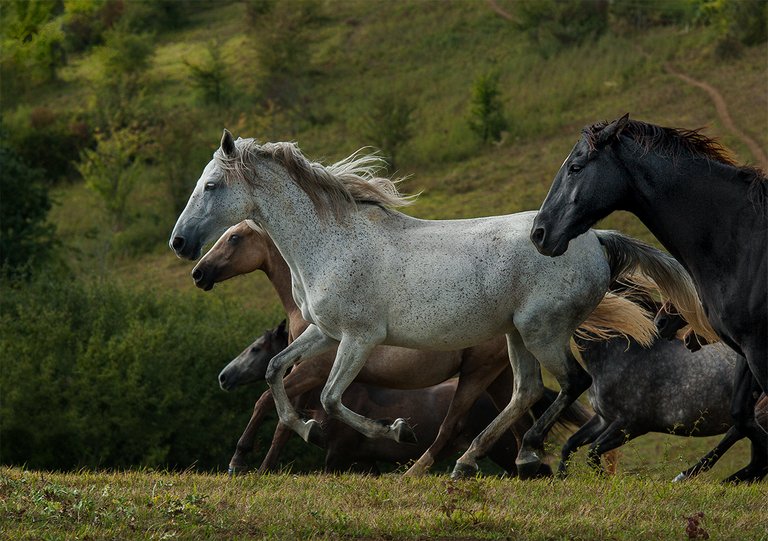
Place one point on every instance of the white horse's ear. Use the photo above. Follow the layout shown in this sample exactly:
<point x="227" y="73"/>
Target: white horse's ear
<point x="228" y="144"/>
<point x="612" y="131"/>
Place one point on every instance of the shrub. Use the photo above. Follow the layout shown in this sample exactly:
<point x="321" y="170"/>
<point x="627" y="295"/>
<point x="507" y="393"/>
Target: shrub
<point x="486" y="110"/>
<point x="209" y="76"/>
<point x="99" y="375"/>
<point x="26" y="239"/>
<point x="552" y="25"/>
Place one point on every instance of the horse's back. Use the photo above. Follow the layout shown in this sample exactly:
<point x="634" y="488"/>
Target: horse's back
<point x="664" y="388"/>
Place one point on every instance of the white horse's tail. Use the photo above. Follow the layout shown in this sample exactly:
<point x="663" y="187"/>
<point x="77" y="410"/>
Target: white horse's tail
<point x="617" y="315"/>
<point x="647" y="268"/>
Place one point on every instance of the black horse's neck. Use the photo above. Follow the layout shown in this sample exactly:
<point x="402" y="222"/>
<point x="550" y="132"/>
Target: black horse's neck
<point x="692" y="205"/>
<point x="701" y="211"/>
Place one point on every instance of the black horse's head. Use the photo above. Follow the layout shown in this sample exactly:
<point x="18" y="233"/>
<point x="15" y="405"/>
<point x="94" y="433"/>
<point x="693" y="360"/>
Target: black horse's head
<point x="589" y="185"/>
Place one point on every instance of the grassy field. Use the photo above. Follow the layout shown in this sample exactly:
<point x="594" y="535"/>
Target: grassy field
<point x="360" y="49"/>
<point x="157" y="505"/>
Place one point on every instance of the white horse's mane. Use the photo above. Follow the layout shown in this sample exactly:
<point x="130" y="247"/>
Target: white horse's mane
<point x="335" y="188"/>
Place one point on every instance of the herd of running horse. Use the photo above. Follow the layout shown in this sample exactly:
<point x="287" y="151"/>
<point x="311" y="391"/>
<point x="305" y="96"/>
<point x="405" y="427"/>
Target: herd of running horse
<point x="385" y="310"/>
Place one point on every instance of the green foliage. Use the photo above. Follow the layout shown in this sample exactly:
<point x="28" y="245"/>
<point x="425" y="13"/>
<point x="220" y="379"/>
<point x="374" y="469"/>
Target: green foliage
<point x="285" y="35"/>
<point x="48" y="139"/>
<point x="486" y="110"/>
<point x="31" y="45"/>
<point x="738" y="23"/>
<point x="26" y="239"/>
<point x="112" y="169"/>
<point x="387" y="125"/>
<point x="99" y="375"/>
<point x="85" y="21"/>
<point x="125" y="54"/>
<point x="209" y="76"/>
<point x="552" y="25"/>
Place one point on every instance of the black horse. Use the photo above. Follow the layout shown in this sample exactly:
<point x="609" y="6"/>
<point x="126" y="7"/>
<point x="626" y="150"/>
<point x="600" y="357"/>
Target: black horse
<point x="711" y="214"/>
<point x="665" y="388"/>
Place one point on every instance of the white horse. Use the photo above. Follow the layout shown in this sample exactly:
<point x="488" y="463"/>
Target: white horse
<point x="364" y="274"/>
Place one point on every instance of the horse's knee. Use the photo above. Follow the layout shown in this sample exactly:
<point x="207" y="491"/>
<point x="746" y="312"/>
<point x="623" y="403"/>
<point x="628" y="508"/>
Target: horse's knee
<point x="331" y="403"/>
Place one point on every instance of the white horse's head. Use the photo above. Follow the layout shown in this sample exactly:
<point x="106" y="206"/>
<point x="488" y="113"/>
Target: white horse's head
<point x="216" y="203"/>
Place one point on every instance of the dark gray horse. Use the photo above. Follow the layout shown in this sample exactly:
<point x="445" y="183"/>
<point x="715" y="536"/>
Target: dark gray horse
<point x="665" y="388"/>
<point x="348" y="450"/>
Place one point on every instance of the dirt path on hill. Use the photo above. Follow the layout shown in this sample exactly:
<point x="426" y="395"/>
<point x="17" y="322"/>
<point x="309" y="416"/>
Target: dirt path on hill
<point x="722" y="112"/>
<point x="757" y="152"/>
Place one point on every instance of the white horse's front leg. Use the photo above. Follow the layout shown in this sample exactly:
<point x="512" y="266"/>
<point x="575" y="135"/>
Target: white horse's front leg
<point x="310" y="343"/>
<point x="350" y="358"/>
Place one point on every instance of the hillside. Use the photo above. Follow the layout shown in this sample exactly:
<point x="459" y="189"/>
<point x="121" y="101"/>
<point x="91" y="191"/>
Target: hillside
<point x="144" y="90"/>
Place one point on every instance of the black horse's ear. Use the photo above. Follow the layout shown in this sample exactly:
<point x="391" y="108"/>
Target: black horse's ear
<point x="228" y="144"/>
<point x="611" y="131"/>
<point x="281" y="328"/>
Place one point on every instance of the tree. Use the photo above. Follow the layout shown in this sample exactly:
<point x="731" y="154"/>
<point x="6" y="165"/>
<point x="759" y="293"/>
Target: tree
<point x="487" y="112"/>
<point x="111" y="171"/>
<point x="26" y="239"/>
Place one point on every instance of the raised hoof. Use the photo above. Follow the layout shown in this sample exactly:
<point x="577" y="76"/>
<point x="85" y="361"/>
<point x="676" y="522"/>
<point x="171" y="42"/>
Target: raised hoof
<point x="528" y="466"/>
<point x="403" y="432"/>
<point x="315" y="434"/>
<point x="464" y="471"/>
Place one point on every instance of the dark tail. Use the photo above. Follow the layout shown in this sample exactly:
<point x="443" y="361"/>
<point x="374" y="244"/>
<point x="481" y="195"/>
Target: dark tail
<point x="647" y="267"/>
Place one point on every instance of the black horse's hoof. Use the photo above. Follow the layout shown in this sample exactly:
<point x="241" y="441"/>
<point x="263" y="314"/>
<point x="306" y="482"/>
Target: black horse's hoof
<point x="528" y="466"/>
<point x="403" y="432"/>
<point x="464" y="471"/>
<point x="233" y="471"/>
<point x="316" y="434"/>
<point x="748" y="474"/>
<point x="544" y="472"/>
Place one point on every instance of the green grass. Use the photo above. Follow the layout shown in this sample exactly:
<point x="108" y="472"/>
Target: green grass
<point x="158" y="505"/>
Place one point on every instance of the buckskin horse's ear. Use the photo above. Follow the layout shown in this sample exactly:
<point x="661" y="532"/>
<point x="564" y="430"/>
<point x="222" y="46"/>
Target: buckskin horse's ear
<point x="228" y="144"/>
<point x="611" y="131"/>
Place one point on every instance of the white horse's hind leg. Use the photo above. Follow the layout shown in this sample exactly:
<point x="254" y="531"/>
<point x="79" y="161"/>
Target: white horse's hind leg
<point x="528" y="388"/>
<point x="309" y="343"/>
<point x="350" y="358"/>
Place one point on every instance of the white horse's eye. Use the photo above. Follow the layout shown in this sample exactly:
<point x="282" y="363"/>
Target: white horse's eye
<point x="210" y="186"/>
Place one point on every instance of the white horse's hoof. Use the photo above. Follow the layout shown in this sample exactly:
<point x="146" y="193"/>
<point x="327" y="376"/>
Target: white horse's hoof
<point x="314" y="433"/>
<point x="403" y="432"/>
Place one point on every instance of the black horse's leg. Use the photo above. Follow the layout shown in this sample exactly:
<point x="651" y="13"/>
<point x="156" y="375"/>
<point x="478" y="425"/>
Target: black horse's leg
<point x="746" y="392"/>
<point x="612" y="437"/>
<point x="706" y="462"/>
<point x="573" y="382"/>
<point x="584" y="435"/>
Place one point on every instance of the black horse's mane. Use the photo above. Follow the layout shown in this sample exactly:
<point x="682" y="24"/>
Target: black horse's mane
<point x="673" y="142"/>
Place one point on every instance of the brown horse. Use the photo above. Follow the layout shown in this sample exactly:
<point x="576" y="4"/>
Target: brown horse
<point x="243" y="249"/>
<point x="348" y="450"/>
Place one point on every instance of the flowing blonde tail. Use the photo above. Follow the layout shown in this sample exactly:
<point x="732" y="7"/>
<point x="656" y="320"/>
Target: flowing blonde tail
<point x="648" y="268"/>
<point x="617" y="315"/>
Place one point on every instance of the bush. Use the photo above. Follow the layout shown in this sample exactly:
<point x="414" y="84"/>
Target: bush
<point x="487" y="113"/>
<point x="209" y="76"/>
<point x="26" y="239"/>
<point x="99" y="375"/>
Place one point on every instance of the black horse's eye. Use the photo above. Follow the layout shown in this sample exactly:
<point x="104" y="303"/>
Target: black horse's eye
<point x="234" y="238"/>
<point x="575" y="168"/>
<point x="210" y="186"/>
